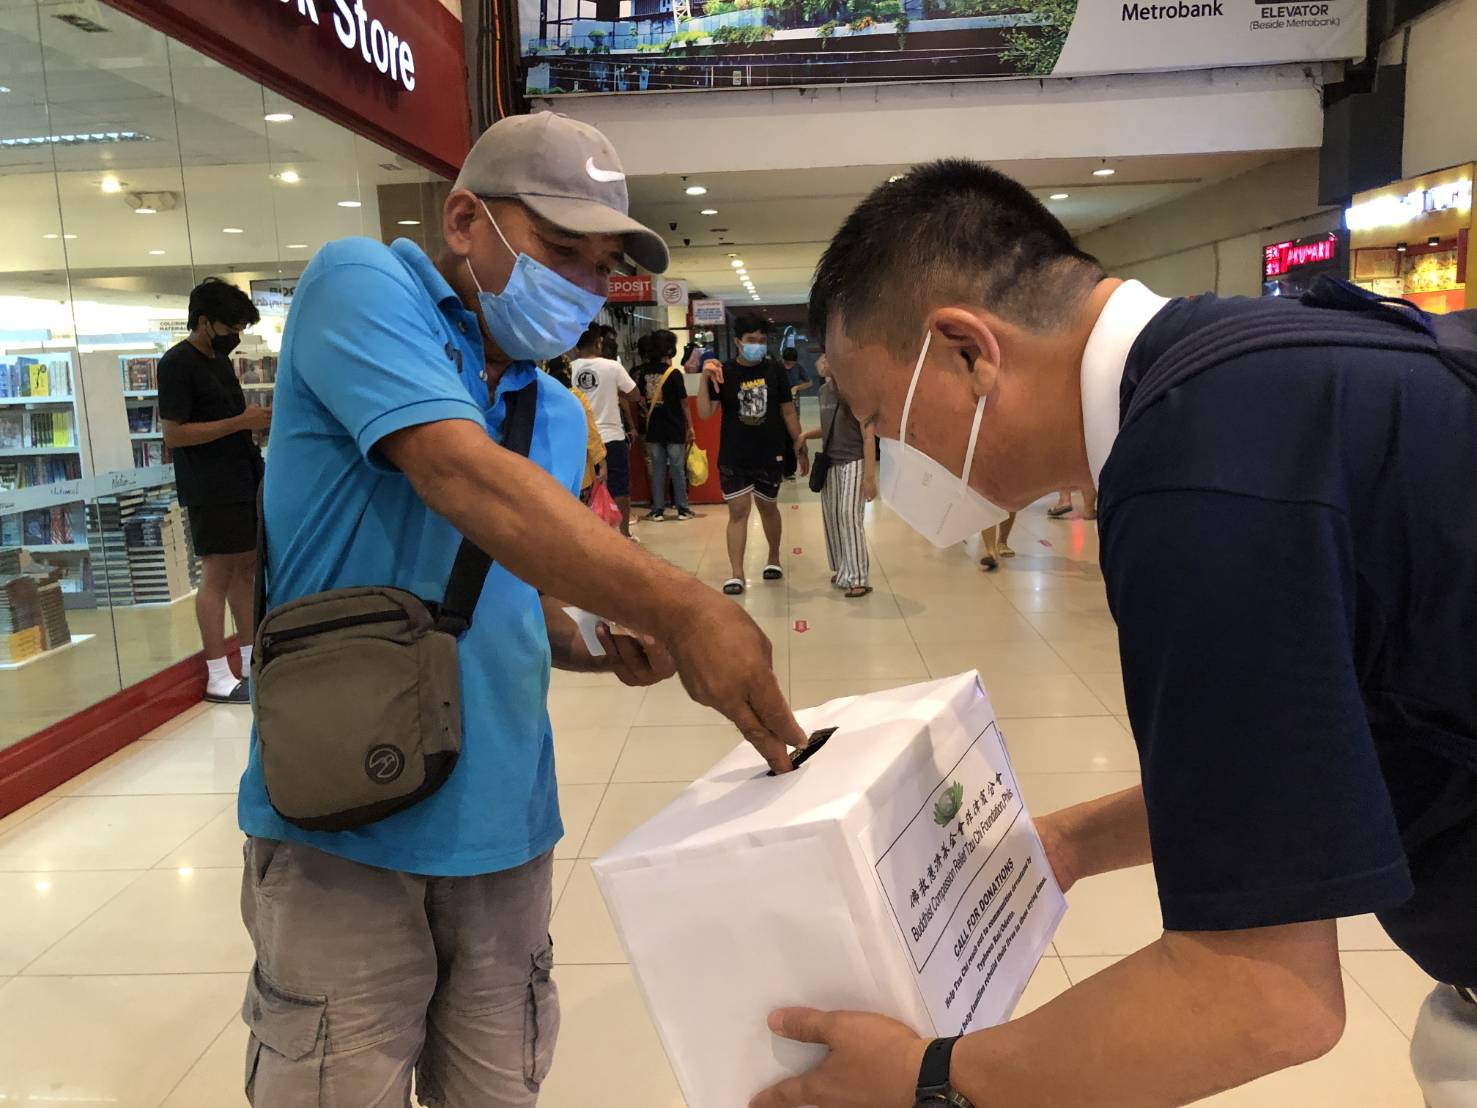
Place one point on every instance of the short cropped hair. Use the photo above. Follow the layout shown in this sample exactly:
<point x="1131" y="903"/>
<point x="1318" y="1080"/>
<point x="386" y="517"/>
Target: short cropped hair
<point x="221" y="302"/>
<point x="951" y="231"/>
<point x="746" y="323"/>
<point x="592" y="337"/>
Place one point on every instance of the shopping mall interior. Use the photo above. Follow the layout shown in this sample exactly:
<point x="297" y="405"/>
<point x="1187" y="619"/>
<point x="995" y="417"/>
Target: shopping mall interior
<point x="145" y="146"/>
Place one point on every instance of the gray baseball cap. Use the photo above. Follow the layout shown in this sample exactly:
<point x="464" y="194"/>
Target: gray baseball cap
<point x="567" y="172"/>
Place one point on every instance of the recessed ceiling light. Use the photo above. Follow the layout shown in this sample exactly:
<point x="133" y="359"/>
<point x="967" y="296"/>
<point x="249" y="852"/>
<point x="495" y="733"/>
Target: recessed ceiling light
<point x="69" y="238"/>
<point x="756" y="296"/>
<point x="696" y="190"/>
<point x="1060" y="195"/>
<point x="349" y="204"/>
<point x="4" y="88"/>
<point x="156" y="253"/>
<point x="51" y="236"/>
<point x="733" y="255"/>
<point x="289" y="177"/>
<point x="278" y="117"/>
<point x="111" y="184"/>
<point x="408" y="223"/>
<point x="1104" y="172"/>
<point x="297" y="246"/>
<point x="737" y="263"/>
<point x="708" y="211"/>
<point x="742" y="272"/>
<point x="232" y="231"/>
<point x="146" y="210"/>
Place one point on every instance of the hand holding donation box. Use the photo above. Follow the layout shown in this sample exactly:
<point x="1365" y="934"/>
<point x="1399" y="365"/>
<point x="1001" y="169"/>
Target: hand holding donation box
<point x="895" y="871"/>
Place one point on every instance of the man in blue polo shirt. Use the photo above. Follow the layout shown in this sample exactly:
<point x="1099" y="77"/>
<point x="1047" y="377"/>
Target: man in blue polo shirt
<point x="1289" y="544"/>
<point x="418" y="945"/>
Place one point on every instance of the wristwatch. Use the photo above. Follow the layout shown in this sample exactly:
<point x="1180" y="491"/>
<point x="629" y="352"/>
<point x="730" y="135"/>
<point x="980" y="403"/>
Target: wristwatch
<point x="934" y="1090"/>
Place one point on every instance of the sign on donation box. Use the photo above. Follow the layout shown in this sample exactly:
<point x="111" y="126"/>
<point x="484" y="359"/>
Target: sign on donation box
<point x="896" y="870"/>
<point x="672" y="293"/>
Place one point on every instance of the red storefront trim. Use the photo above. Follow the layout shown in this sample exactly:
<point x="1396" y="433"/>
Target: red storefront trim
<point x="36" y="765"/>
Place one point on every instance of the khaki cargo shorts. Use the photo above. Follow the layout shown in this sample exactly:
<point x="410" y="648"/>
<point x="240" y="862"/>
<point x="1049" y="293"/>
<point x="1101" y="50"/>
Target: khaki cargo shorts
<point x="367" y="978"/>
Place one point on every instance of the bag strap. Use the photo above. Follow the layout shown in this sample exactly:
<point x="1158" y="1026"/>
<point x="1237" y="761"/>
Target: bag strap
<point x="831" y="426"/>
<point x="469" y="571"/>
<point x="662" y="384"/>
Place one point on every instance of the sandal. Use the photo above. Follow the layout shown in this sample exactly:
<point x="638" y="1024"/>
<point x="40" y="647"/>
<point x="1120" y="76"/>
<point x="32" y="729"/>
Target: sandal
<point x="1059" y="511"/>
<point x="988" y="563"/>
<point x="857" y="591"/>
<point x="1005" y="551"/>
<point x="734" y="586"/>
<point x="773" y="572"/>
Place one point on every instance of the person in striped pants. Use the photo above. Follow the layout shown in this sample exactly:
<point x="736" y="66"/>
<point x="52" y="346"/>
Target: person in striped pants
<point x="850" y="485"/>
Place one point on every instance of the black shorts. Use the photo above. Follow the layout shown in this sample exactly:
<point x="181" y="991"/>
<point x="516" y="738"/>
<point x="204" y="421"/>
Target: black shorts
<point x="763" y="482"/>
<point x="618" y="467"/>
<point x="223" y="528"/>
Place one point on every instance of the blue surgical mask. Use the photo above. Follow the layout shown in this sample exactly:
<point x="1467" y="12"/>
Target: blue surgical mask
<point x="753" y="351"/>
<point x="539" y="314"/>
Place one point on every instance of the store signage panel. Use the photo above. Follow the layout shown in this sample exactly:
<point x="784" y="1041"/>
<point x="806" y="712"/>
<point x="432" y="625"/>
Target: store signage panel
<point x="1284" y="257"/>
<point x="709" y="313"/>
<point x="630" y="289"/>
<point x="393" y="70"/>
<point x="1436" y="204"/>
<point x="743" y="46"/>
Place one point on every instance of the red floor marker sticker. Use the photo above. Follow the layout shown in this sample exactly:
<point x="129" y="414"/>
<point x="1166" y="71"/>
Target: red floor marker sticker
<point x="798" y="550"/>
<point x="1045" y="542"/>
<point x="802" y="626"/>
<point x="794" y="507"/>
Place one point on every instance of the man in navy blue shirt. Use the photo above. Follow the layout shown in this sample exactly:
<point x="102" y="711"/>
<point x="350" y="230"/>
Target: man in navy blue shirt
<point x="1289" y="544"/>
<point x="419" y="944"/>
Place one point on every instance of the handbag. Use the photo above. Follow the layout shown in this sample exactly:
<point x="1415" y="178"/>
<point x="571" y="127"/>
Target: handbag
<point x="604" y="505"/>
<point x="820" y="465"/>
<point x="357" y="691"/>
<point x="697" y="466"/>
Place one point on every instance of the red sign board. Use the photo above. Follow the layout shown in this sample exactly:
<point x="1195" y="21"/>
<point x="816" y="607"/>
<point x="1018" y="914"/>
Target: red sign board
<point x="630" y="290"/>
<point x="394" y="71"/>
<point x="1283" y="257"/>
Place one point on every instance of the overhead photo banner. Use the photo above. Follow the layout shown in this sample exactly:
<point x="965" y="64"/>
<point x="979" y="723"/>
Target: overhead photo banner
<point x="630" y="46"/>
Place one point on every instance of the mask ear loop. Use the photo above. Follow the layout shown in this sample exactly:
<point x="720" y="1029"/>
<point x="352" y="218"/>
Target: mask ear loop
<point x="974" y="438"/>
<point x="506" y="245"/>
<point x="902" y="431"/>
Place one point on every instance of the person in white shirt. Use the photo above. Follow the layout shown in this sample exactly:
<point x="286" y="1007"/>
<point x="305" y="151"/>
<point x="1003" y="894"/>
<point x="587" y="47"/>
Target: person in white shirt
<point x="608" y="388"/>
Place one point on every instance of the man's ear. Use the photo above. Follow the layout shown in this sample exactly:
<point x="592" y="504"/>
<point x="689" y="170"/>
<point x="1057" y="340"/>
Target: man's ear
<point x="966" y="341"/>
<point x="457" y="217"/>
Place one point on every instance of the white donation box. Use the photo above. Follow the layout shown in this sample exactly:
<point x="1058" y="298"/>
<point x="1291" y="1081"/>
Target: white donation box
<point x="895" y="871"/>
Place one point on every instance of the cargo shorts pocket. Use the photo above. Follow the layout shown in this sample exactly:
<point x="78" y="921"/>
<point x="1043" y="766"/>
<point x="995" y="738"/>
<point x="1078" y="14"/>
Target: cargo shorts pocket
<point x="284" y="1056"/>
<point x="541" y="1018"/>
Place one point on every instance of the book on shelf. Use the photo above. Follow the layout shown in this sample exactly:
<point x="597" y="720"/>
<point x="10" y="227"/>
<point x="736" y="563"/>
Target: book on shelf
<point x="12" y="430"/>
<point x="143" y="420"/>
<point x="27" y="473"/>
<point x="150" y="454"/>
<point x="256" y="371"/>
<point x="140" y="374"/>
<point x="35" y="378"/>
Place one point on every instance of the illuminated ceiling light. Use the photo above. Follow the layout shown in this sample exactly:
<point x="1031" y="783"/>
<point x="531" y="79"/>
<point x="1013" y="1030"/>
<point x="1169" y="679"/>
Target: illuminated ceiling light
<point x="349" y="204"/>
<point x="408" y="223"/>
<point x="1400" y="248"/>
<point x="289" y="177"/>
<point x="80" y="139"/>
<point x="232" y="231"/>
<point x="186" y="871"/>
<point x="156" y="253"/>
<point x="297" y="246"/>
<point x="42" y="885"/>
<point x="146" y="210"/>
<point x="1060" y="195"/>
<point x="737" y="263"/>
<point x="4" y="88"/>
<point x="756" y="296"/>
<point x="69" y="238"/>
<point x="742" y="272"/>
<point x="708" y="211"/>
<point x="51" y="236"/>
<point x="1104" y="172"/>
<point x="696" y="190"/>
<point x="1434" y="240"/>
<point x="111" y="184"/>
<point x="278" y="117"/>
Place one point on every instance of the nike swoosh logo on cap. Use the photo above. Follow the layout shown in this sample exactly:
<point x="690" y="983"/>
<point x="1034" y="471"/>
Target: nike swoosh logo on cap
<point x="604" y="176"/>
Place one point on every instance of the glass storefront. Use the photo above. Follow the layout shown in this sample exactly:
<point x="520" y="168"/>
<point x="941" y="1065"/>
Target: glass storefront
<point x="131" y="168"/>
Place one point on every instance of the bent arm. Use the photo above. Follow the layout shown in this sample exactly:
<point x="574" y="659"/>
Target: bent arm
<point x="197" y="434"/>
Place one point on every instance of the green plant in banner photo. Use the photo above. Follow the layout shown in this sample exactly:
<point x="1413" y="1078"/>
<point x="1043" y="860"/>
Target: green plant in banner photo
<point x="948" y="805"/>
<point x="825" y="31"/>
<point x="1033" y="47"/>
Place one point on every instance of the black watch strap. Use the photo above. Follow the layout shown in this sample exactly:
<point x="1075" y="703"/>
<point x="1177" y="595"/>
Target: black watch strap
<point x="933" y="1076"/>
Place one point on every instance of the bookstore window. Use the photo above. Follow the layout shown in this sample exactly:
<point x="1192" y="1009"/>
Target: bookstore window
<point x="153" y="168"/>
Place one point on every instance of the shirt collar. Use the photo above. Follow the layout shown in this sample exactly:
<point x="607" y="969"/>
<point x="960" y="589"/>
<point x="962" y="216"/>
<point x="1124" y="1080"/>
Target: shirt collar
<point x="419" y="263"/>
<point x="1124" y="317"/>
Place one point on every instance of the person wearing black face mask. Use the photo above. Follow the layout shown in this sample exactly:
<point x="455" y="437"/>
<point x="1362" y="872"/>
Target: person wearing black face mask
<point x="208" y="427"/>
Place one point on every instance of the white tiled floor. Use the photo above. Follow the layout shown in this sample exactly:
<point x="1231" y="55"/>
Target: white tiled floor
<point x="122" y="957"/>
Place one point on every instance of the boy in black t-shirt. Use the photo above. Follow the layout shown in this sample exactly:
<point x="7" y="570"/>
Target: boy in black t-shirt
<point x="668" y="432"/>
<point x="217" y="467"/>
<point x="759" y="418"/>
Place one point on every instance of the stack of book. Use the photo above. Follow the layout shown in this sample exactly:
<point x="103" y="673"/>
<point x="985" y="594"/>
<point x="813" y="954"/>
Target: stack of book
<point x="53" y="616"/>
<point x="111" y="582"/>
<point x="158" y="552"/>
<point x="20" y="620"/>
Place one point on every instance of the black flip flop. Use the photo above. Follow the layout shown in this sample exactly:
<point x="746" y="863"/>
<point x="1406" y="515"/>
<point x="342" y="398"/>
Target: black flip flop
<point x="856" y="592"/>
